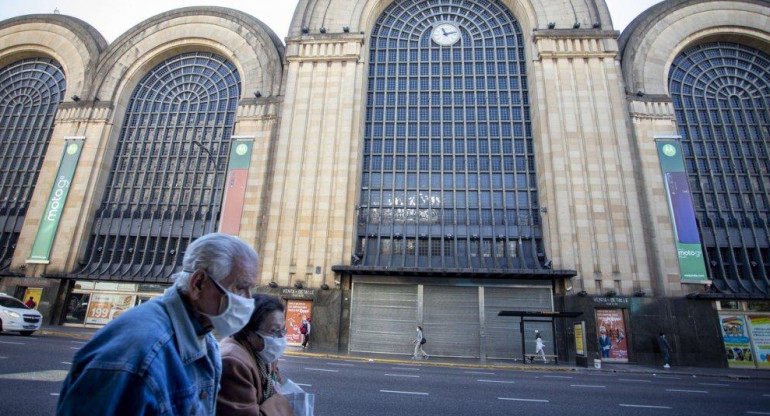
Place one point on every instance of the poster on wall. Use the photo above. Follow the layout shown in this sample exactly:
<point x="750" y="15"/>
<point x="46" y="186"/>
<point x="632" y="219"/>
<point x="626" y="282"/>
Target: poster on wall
<point x="760" y="339"/>
<point x="103" y="308"/>
<point x="580" y="339"/>
<point x="35" y="293"/>
<point x="736" y="340"/>
<point x="611" y="332"/>
<point x="295" y="310"/>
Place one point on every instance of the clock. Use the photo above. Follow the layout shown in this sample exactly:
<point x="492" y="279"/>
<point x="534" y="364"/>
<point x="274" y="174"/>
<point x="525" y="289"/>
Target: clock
<point x="445" y="34"/>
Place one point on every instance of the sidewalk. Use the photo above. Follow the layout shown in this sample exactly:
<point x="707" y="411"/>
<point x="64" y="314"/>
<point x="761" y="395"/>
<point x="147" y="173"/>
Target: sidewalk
<point x="742" y="374"/>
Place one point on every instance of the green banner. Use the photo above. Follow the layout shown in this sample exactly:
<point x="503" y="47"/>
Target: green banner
<point x="692" y="267"/>
<point x="235" y="186"/>
<point x="41" y="249"/>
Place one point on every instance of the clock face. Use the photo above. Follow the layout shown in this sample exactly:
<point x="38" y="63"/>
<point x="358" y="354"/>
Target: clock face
<point x="445" y="34"/>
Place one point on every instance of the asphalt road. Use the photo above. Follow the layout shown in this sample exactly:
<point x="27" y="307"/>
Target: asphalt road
<point x="32" y="368"/>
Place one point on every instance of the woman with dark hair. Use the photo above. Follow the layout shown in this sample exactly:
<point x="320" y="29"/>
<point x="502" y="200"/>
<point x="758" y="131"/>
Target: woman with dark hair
<point x="249" y="364"/>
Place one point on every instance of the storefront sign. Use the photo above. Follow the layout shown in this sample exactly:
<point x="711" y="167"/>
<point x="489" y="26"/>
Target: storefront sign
<point x="103" y="308"/>
<point x="235" y="186"/>
<point x="611" y="329"/>
<point x="580" y="339"/>
<point x="760" y="339"/>
<point x="295" y="310"/>
<point x="41" y="248"/>
<point x="298" y="293"/>
<point x="618" y="302"/>
<point x="736" y="340"/>
<point x="692" y="267"/>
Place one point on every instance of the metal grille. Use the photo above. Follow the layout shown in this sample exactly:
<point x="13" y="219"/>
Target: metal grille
<point x="721" y="96"/>
<point x="165" y="184"/>
<point x="448" y="164"/>
<point x="30" y="93"/>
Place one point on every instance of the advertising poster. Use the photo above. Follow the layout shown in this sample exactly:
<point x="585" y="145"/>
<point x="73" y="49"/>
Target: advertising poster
<point x="760" y="338"/>
<point x="579" y="340"/>
<point x="235" y="189"/>
<point x="295" y="310"/>
<point x="105" y="307"/>
<point x="692" y="267"/>
<point x="736" y="339"/>
<point x="35" y="293"/>
<point x="611" y="331"/>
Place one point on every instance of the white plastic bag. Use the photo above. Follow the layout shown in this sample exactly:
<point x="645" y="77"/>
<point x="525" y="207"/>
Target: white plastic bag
<point x="302" y="401"/>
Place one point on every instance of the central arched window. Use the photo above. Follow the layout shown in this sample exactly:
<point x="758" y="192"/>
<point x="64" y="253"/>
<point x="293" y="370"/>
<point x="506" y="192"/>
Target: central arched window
<point x="448" y="174"/>
<point x="165" y="184"/>
<point x="721" y="96"/>
<point x="30" y="93"/>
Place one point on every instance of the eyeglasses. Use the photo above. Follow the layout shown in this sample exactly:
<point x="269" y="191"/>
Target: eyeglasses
<point x="278" y="333"/>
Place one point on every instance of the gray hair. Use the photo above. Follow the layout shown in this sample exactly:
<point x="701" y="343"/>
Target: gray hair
<point x="218" y="254"/>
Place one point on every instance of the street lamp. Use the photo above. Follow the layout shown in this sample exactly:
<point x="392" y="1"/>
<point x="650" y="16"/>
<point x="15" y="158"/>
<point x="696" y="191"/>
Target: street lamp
<point x="216" y="182"/>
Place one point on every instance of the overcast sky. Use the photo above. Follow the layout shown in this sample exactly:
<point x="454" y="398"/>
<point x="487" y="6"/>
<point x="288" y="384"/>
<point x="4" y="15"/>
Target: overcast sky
<point x="113" y="17"/>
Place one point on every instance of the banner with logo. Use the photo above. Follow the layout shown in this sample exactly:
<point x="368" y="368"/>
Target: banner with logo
<point x="736" y="339"/>
<point x="692" y="267"/>
<point x="760" y="338"/>
<point x="41" y="248"/>
<point x="235" y="186"/>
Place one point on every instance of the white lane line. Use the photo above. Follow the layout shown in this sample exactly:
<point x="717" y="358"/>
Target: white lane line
<point x="402" y="375"/>
<point x="496" y="381"/>
<point x="341" y="364"/>
<point x="404" y="392"/>
<point x="2" y="358"/>
<point x="78" y="342"/>
<point x="522" y="400"/>
<point x="479" y="372"/>
<point x="714" y="384"/>
<point x="633" y="380"/>
<point x="688" y="391"/>
<point x="757" y="413"/>
<point x="588" y="385"/>
<point x="322" y="369"/>
<point x="47" y="375"/>
<point x="12" y="343"/>
<point x="66" y="363"/>
<point x="404" y="369"/>
<point x="74" y="348"/>
<point x="670" y="377"/>
<point x="54" y="394"/>
<point x="304" y="385"/>
<point x="644" y="406"/>
<point x="766" y="395"/>
<point x="558" y="377"/>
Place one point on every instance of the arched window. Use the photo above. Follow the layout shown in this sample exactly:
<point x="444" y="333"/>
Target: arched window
<point x="30" y="93"/>
<point x="448" y="163"/>
<point x="165" y="184"/>
<point x="721" y="95"/>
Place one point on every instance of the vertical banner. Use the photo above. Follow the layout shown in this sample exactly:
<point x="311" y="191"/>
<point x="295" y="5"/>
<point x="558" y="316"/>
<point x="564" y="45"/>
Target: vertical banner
<point x="235" y="186"/>
<point x="736" y="339"/>
<point x="295" y="310"/>
<point x="612" y="334"/>
<point x="692" y="268"/>
<point x="580" y="339"/>
<point x="760" y="339"/>
<point x="41" y="248"/>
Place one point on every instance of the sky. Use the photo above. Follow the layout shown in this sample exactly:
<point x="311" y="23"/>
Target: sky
<point x="114" y="17"/>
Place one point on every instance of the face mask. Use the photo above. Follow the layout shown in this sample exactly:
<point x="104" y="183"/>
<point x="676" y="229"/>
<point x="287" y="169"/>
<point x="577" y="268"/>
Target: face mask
<point x="235" y="317"/>
<point x="274" y="348"/>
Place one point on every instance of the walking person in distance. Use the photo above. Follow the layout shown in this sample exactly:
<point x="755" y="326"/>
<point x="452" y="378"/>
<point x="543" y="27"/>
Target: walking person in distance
<point x="419" y="341"/>
<point x="665" y="350"/>
<point x="539" y="346"/>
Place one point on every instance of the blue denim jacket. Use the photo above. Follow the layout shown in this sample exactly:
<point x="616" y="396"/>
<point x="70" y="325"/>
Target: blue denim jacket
<point x="148" y="361"/>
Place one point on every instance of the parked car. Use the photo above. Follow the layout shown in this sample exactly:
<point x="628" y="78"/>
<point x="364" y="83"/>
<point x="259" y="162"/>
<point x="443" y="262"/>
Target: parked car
<point x="15" y="316"/>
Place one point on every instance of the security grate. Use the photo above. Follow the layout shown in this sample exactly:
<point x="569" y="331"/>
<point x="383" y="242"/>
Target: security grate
<point x="449" y="176"/>
<point x="721" y="96"/>
<point x="166" y="180"/>
<point x="30" y="92"/>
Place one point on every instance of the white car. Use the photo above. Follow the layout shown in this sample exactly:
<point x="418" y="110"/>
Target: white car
<point x="15" y="316"/>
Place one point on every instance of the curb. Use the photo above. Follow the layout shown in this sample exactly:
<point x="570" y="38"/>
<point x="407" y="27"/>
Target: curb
<point x="64" y="334"/>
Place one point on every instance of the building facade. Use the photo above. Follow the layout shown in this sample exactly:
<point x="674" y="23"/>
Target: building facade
<point x="408" y="162"/>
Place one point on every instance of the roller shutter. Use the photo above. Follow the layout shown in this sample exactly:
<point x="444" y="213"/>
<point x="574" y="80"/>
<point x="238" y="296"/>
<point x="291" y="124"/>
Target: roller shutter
<point x="383" y="318"/>
<point x="451" y="321"/>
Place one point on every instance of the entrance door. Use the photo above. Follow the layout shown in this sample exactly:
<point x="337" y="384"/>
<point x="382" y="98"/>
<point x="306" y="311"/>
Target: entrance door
<point x="295" y="310"/>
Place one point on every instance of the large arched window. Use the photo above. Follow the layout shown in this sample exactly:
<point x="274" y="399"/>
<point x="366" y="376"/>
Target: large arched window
<point x="448" y="162"/>
<point x="30" y="93"/>
<point x="721" y="95"/>
<point x="165" y="184"/>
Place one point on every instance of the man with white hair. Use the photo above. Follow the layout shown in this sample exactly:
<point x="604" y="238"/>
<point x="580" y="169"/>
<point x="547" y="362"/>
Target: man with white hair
<point x="160" y="357"/>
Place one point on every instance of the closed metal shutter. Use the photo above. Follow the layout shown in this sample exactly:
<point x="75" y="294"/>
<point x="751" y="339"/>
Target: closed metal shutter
<point x="503" y="332"/>
<point x="383" y="318"/>
<point x="451" y="321"/>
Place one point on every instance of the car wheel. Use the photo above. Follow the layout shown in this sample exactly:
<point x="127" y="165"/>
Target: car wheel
<point x="26" y="333"/>
<point x="1" y="325"/>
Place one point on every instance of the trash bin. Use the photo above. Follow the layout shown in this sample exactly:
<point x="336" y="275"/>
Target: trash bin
<point x="597" y="363"/>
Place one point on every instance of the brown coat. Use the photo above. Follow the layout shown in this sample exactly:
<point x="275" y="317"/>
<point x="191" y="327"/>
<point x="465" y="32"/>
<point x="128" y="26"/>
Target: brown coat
<point x="241" y="391"/>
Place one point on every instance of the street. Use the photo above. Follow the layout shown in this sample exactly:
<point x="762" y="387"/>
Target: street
<point x="32" y="368"/>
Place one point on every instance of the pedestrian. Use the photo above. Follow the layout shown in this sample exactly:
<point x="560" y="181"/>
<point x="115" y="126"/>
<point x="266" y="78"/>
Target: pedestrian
<point x="539" y="344"/>
<point x="305" y="331"/>
<point x="160" y="357"/>
<point x="605" y="342"/>
<point x="30" y="303"/>
<point x="419" y="341"/>
<point x="665" y="350"/>
<point x="250" y="376"/>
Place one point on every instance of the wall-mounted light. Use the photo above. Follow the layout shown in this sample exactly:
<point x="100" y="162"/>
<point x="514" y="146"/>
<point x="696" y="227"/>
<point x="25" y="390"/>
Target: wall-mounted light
<point x="346" y="29"/>
<point x="325" y="286"/>
<point x="298" y="285"/>
<point x="547" y="264"/>
<point x="611" y="293"/>
<point x="640" y="93"/>
<point x="582" y="293"/>
<point x="257" y="93"/>
<point x="75" y="98"/>
<point x="544" y="210"/>
<point x="551" y="25"/>
<point x="639" y="293"/>
<point x="322" y="29"/>
<point x="273" y="285"/>
<point x="576" y="25"/>
<point x="596" y="25"/>
<point x="305" y="29"/>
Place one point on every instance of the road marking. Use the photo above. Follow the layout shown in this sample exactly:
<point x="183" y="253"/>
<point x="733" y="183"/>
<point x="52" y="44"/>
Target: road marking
<point x="48" y="375"/>
<point x="644" y="406"/>
<point x="54" y="394"/>
<point x="342" y="364"/>
<point x="479" y="372"/>
<point x="404" y="369"/>
<point x="714" y="384"/>
<point x="688" y="391"/>
<point x="757" y="413"/>
<point x="588" y="385"/>
<point x="670" y="377"/>
<point x="522" y="400"/>
<point x="304" y="385"/>
<point x="74" y="348"/>
<point x="322" y="369"/>
<point x="557" y="377"/>
<point x="12" y="343"/>
<point x="404" y="392"/>
<point x="634" y="380"/>
<point x="766" y="395"/>
<point x="78" y="342"/>
<point x="496" y="381"/>
<point x="66" y="363"/>
<point x="2" y="358"/>
<point x="402" y="375"/>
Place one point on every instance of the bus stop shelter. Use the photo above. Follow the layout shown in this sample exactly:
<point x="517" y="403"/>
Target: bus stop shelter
<point x="537" y="316"/>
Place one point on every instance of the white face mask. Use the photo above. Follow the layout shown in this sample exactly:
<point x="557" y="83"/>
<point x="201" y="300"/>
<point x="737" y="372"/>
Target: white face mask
<point x="274" y="348"/>
<point x="235" y="316"/>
